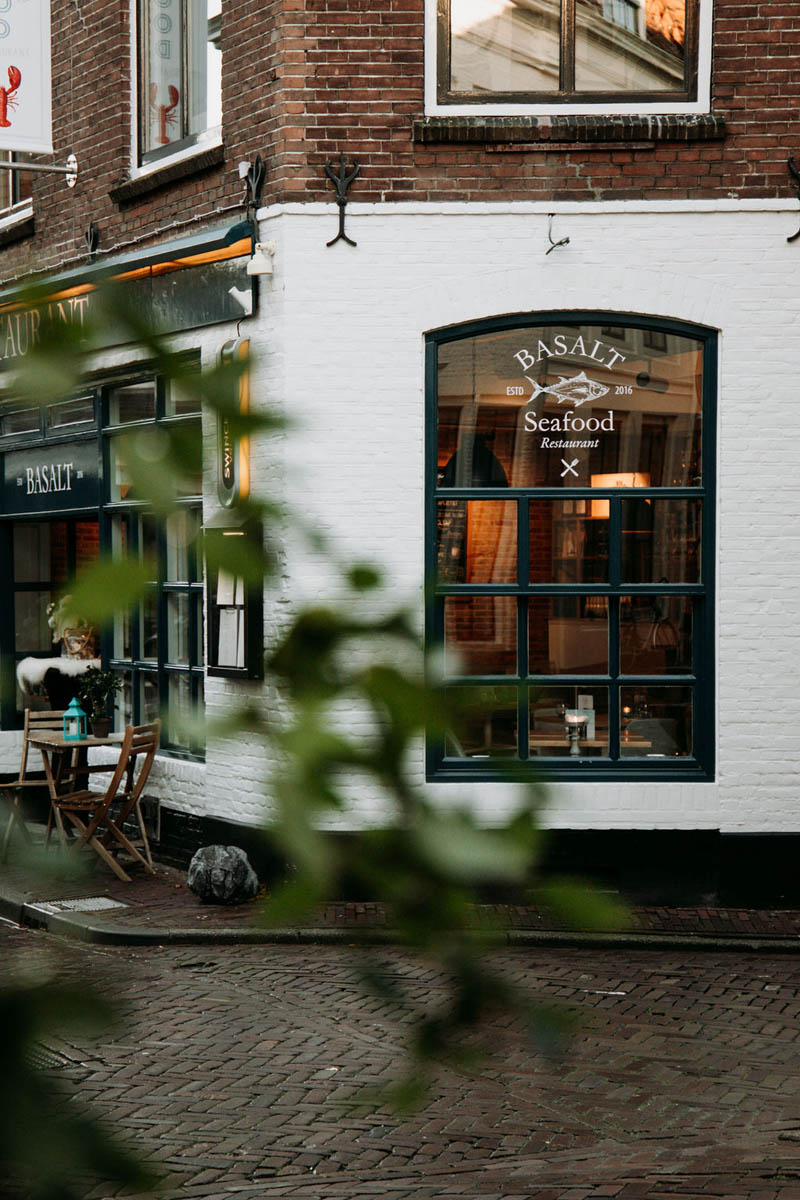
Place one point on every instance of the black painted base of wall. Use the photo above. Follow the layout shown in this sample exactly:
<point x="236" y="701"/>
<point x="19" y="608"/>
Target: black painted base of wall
<point x="673" y="867"/>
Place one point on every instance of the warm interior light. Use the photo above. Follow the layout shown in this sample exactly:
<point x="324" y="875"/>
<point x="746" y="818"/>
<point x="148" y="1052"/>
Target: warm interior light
<point x="599" y="509"/>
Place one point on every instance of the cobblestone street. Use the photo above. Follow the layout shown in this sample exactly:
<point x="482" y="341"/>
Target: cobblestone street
<point x="239" y="1066"/>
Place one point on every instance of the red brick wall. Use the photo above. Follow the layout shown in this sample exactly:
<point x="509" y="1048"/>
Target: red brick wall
<point x="303" y="79"/>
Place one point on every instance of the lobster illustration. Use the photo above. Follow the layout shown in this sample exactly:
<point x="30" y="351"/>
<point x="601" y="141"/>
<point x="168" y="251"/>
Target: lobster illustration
<point x="7" y="95"/>
<point x="164" y="112"/>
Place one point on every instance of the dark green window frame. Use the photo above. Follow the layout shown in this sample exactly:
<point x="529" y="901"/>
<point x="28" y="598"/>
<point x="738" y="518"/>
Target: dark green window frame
<point x="157" y="671"/>
<point x="699" y="766"/>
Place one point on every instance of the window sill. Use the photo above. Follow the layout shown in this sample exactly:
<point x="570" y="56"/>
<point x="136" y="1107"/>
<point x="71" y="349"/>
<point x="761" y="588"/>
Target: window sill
<point x="562" y="133"/>
<point x="17" y="223"/>
<point x="166" y="172"/>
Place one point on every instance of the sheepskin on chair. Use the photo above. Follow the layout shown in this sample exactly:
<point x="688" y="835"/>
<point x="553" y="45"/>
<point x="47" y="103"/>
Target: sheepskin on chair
<point x="31" y="672"/>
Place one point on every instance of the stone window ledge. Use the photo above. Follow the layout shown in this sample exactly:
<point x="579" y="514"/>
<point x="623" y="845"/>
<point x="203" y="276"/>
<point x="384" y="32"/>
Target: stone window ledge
<point x="554" y="132"/>
<point x="132" y="189"/>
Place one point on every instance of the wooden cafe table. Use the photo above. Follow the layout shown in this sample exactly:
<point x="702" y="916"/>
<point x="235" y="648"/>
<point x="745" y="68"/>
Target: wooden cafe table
<point x="67" y="758"/>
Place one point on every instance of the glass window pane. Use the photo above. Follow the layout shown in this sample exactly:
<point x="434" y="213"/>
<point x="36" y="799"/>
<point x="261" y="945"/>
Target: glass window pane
<point x="72" y="412"/>
<point x="199" y="647"/>
<point x="162" y="102"/>
<point x="121" y="630"/>
<point x="568" y="542"/>
<point x="656" y="722"/>
<point x="32" y="634"/>
<point x="148" y="697"/>
<point x="568" y="635"/>
<point x="181" y="401"/>
<point x="655" y="634"/>
<point x="569" y="722"/>
<point x="133" y="402"/>
<point x="568" y="405"/>
<point x="480" y="634"/>
<point x="148" y="539"/>
<point x="32" y="552"/>
<point x="119" y="482"/>
<point x="661" y="541"/>
<point x="182" y="528"/>
<point x="477" y="541"/>
<point x="483" y="722"/>
<point x="629" y="46"/>
<point x="22" y="420"/>
<point x="148" y="626"/>
<point x="504" y="46"/>
<point x="178" y="628"/>
<point x="123" y="702"/>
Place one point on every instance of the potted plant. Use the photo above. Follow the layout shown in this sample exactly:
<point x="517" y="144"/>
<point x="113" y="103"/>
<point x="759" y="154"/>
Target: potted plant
<point x="95" y="689"/>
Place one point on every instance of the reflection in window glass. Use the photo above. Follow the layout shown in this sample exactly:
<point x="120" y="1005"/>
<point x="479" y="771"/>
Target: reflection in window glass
<point x="655" y="634"/>
<point x="629" y="46"/>
<point x="483" y="722"/>
<point x="133" y="402"/>
<point x="568" y="635"/>
<point x="554" y="406"/>
<point x="178" y="628"/>
<point x="182" y="528"/>
<point x="661" y="541"/>
<point x="22" y="420"/>
<point x="71" y="412"/>
<point x="480" y="634"/>
<point x="569" y="721"/>
<point x="477" y="541"/>
<point x="123" y="702"/>
<point x="568" y="542"/>
<point x="656" y="722"/>
<point x="32" y="552"/>
<point x="32" y="634"/>
<point x="148" y="697"/>
<point x="148" y="625"/>
<point x="504" y="47"/>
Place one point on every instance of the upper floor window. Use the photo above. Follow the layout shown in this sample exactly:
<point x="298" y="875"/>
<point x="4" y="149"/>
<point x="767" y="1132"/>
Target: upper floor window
<point x="15" y="186"/>
<point x="179" y="73"/>
<point x="561" y="51"/>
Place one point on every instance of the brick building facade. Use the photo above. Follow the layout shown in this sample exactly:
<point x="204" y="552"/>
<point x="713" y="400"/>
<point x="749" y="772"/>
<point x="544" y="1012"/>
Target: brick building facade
<point x="664" y="621"/>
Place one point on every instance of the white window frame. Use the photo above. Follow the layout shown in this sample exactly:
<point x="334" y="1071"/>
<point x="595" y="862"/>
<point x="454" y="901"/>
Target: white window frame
<point x="633" y="108"/>
<point x="205" y="140"/>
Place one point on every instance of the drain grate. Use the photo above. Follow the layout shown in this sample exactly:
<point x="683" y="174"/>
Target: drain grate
<point x="89" y="904"/>
<point x="44" y="1058"/>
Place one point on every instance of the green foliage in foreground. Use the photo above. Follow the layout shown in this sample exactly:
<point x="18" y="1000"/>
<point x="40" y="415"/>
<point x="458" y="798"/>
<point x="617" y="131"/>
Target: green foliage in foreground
<point x="427" y="862"/>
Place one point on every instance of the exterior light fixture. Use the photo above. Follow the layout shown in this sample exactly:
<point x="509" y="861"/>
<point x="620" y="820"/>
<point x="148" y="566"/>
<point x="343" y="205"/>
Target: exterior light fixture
<point x="261" y="262"/>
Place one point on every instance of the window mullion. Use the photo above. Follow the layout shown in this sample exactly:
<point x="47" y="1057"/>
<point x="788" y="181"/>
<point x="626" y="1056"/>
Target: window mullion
<point x="567" y="50"/>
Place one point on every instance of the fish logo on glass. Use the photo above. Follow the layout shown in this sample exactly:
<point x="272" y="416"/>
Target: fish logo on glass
<point x="578" y="388"/>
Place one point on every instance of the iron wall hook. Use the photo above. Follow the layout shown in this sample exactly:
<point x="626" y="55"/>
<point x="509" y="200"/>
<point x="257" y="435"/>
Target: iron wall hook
<point x="342" y="182"/>
<point x="553" y="244"/>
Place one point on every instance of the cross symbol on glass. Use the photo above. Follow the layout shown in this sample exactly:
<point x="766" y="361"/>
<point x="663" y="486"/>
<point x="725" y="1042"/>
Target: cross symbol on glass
<point x="569" y="467"/>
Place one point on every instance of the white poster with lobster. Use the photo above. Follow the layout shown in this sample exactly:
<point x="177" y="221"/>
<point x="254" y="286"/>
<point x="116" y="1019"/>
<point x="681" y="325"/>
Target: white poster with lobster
<point x="25" y="87"/>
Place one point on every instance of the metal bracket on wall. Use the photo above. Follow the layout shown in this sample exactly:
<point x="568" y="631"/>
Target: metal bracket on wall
<point x="70" y="171"/>
<point x="553" y="244"/>
<point x="793" y="171"/>
<point x="92" y="237"/>
<point x="342" y="182"/>
<point x="254" y="181"/>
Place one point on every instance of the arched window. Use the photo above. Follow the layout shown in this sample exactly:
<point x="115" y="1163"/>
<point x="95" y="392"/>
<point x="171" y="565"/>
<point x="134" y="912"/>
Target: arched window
<point x="570" y="544"/>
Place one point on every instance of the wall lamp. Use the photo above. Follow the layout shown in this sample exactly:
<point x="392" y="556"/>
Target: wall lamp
<point x="261" y="262"/>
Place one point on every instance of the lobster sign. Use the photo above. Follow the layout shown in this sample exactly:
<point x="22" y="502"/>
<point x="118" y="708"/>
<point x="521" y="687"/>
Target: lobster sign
<point x="7" y="95"/>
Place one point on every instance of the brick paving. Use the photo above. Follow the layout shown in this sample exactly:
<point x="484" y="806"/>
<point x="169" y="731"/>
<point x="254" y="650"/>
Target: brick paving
<point x="247" y="1071"/>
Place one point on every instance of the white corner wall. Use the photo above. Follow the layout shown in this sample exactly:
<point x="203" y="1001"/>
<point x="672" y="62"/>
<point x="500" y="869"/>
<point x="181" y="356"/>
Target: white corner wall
<point x="342" y="329"/>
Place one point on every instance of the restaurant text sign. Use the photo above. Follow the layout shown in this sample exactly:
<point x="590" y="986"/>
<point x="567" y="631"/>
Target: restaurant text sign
<point x="25" y="83"/>
<point x="52" y="478"/>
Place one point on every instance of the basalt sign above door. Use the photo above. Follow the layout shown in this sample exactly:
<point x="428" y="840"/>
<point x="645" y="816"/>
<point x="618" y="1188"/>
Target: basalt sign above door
<point x="51" y="479"/>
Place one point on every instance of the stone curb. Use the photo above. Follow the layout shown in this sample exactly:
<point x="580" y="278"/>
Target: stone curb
<point x="84" y="927"/>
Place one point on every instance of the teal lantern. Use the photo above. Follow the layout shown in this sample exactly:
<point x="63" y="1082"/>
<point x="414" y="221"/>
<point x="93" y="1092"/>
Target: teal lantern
<point x="74" y="722"/>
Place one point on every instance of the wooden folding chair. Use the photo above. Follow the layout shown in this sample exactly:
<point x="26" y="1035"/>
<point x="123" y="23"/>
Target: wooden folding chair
<point x="35" y="722"/>
<point x="97" y="818"/>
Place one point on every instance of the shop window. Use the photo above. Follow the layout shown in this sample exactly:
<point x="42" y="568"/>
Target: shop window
<point x="571" y="545"/>
<point x="15" y="186"/>
<point x="158" y="649"/>
<point x="179" y="74"/>
<point x="583" y="51"/>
